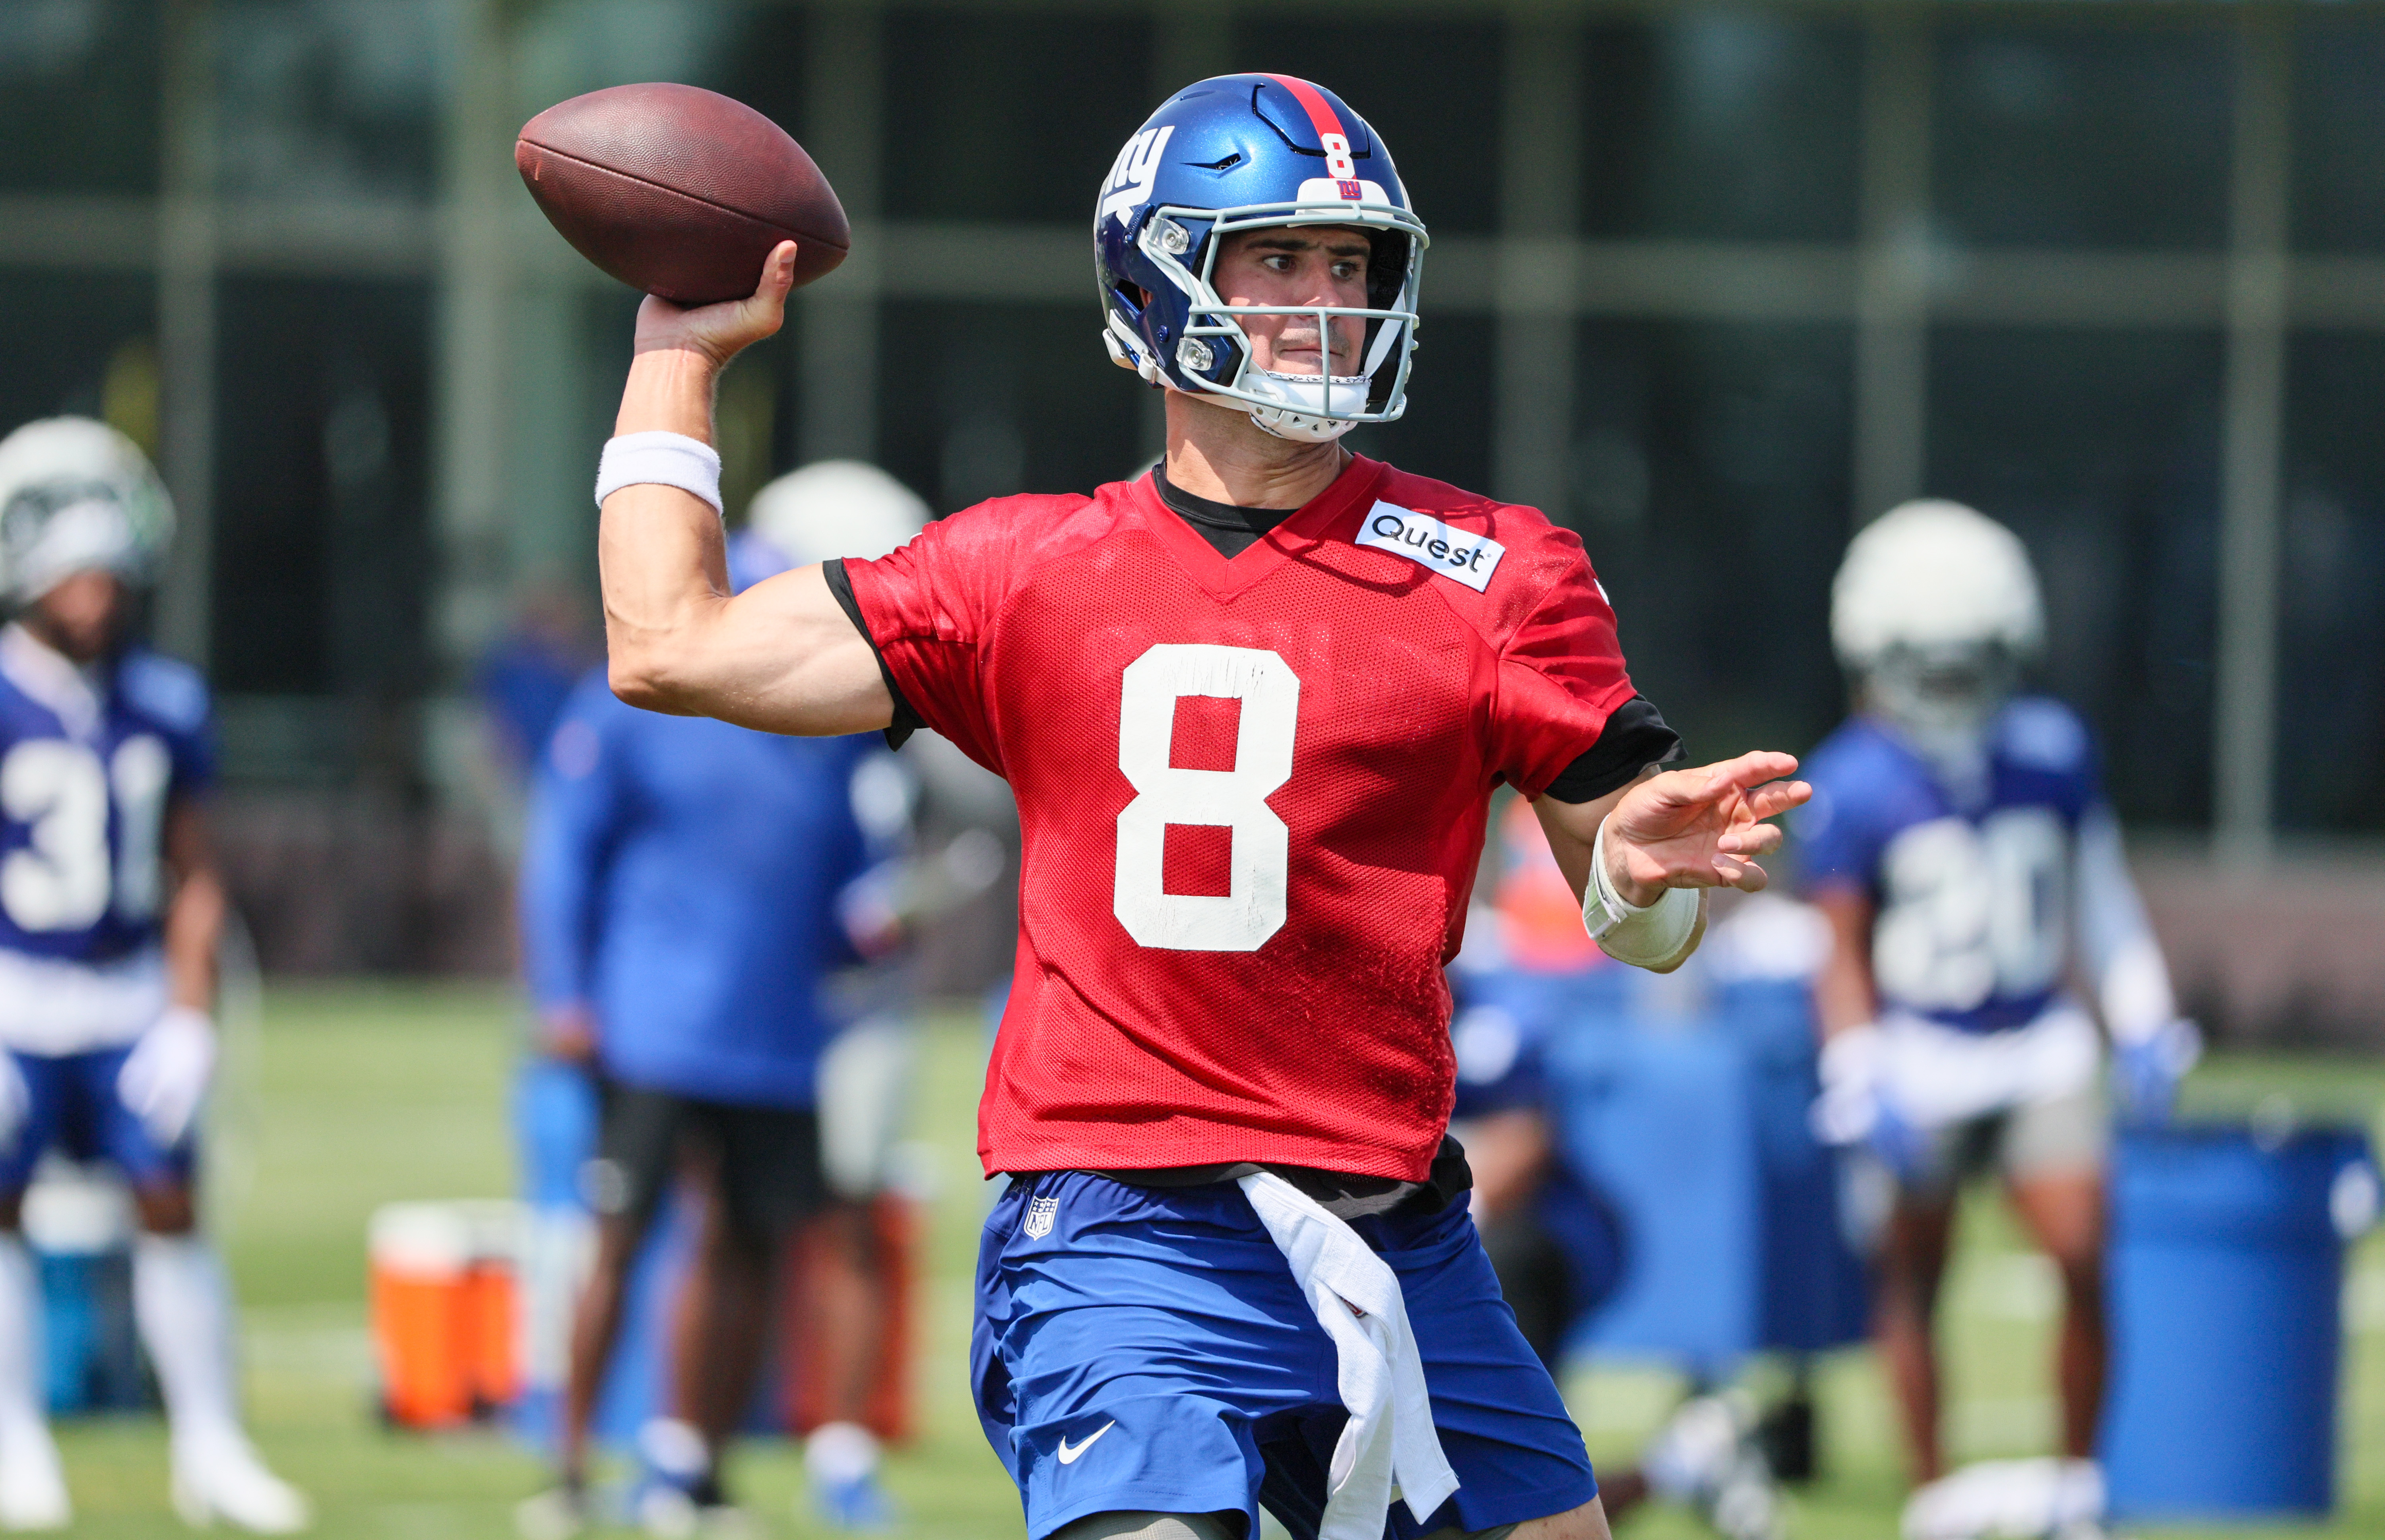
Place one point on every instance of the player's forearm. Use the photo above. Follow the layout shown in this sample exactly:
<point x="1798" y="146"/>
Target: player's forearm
<point x="659" y="549"/>
<point x="1843" y="996"/>
<point x="194" y="929"/>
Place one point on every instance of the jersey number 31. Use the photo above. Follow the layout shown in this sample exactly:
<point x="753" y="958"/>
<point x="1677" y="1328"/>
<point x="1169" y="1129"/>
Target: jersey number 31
<point x="1253" y="908"/>
<point x="61" y="878"/>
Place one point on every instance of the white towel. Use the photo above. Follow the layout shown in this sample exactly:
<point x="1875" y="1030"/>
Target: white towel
<point x="1389" y="1448"/>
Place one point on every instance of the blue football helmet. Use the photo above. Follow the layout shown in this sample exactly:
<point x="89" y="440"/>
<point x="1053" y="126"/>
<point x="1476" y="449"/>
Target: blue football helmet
<point x="1248" y="152"/>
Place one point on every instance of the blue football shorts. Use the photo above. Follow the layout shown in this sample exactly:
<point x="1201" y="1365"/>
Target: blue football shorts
<point x="1150" y="1350"/>
<point x="75" y="1109"/>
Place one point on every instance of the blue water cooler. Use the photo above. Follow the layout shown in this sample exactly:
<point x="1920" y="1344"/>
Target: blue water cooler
<point x="1693" y="1122"/>
<point x="2227" y="1280"/>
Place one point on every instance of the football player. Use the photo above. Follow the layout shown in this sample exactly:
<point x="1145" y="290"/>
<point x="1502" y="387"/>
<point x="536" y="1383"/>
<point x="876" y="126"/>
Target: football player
<point x="1253" y="706"/>
<point x="685" y="893"/>
<point x="110" y="909"/>
<point x="1959" y="841"/>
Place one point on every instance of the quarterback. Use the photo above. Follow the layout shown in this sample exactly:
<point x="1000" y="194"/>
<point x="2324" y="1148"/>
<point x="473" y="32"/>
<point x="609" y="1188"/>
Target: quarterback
<point x="109" y="914"/>
<point x="1253" y="706"/>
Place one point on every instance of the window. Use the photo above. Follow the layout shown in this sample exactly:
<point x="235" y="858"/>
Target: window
<point x="2338" y="198"/>
<point x="78" y="83"/>
<point x="2332" y="634"/>
<point x="2100" y="449"/>
<point x="1723" y="125"/>
<point x="322" y="551"/>
<point x="964" y="140"/>
<point x="329" y="98"/>
<point x="2071" y="136"/>
<point x="1710" y="483"/>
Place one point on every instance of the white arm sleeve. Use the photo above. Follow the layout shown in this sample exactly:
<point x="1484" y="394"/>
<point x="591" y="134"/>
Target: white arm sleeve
<point x="2115" y="940"/>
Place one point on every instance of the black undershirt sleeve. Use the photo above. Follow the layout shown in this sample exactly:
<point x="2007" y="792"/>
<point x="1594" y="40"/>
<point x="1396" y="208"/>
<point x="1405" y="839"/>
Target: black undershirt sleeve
<point x="1634" y="739"/>
<point x="906" y="721"/>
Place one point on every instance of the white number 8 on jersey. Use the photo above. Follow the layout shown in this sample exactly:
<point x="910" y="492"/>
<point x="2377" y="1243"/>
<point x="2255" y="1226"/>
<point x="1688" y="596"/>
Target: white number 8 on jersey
<point x="1253" y="908"/>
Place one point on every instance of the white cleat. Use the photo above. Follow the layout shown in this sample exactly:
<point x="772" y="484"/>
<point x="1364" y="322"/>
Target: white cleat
<point x="32" y="1487"/>
<point x="229" y="1482"/>
<point x="2010" y="1499"/>
<point x="1705" y="1456"/>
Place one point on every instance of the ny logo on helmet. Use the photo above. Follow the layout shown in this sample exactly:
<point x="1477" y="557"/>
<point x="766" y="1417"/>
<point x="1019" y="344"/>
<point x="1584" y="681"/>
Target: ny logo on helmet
<point x="1129" y="187"/>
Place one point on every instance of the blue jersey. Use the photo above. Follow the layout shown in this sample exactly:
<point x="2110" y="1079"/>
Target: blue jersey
<point x="1973" y="895"/>
<point x="681" y="877"/>
<point x="88" y="760"/>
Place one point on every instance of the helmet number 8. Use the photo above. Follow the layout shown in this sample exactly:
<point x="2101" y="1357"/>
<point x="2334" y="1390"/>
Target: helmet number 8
<point x="1338" y="163"/>
<point x="1252" y="907"/>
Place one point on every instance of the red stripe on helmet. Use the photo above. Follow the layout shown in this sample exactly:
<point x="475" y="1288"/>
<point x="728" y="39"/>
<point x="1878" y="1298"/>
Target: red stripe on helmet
<point x="1321" y="116"/>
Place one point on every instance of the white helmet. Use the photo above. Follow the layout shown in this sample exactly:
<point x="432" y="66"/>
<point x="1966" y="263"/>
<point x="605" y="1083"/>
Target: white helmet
<point x="833" y="508"/>
<point x="77" y="496"/>
<point x="1937" y="606"/>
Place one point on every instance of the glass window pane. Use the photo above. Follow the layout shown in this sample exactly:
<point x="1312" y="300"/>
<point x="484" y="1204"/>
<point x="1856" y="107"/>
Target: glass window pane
<point x="329" y="98"/>
<point x="1710" y="483"/>
<point x="980" y="401"/>
<point x="1723" y="125"/>
<point x="965" y="140"/>
<point x="2337" y="201"/>
<point x="1429" y="88"/>
<point x="2331" y="664"/>
<point x="2100" y="449"/>
<point x="78" y="95"/>
<point x="322" y="550"/>
<point x="2071" y="136"/>
<point x="80" y="343"/>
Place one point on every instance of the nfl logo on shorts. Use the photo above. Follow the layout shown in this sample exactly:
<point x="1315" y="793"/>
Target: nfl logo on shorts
<point x="1039" y="1216"/>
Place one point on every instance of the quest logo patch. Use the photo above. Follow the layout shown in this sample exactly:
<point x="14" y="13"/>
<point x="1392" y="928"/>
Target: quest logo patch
<point x="1467" y="559"/>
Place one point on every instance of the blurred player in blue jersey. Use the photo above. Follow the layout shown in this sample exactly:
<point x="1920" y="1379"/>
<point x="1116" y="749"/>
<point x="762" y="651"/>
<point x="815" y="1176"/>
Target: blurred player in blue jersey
<point x="686" y="887"/>
<point x="110" y="910"/>
<point x="1961" y="844"/>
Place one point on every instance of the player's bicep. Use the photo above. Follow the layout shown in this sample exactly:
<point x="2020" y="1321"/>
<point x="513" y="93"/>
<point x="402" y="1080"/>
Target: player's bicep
<point x="786" y="658"/>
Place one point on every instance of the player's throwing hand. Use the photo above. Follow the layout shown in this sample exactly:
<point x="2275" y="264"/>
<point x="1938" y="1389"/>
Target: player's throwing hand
<point x="1702" y="828"/>
<point x="721" y="332"/>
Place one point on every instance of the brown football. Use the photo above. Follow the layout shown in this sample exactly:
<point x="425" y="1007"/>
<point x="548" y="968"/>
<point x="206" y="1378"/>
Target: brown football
<point x="679" y="190"/>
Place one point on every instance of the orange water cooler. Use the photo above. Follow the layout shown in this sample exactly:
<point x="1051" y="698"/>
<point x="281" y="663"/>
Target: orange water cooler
<point x="445" y="1309"/>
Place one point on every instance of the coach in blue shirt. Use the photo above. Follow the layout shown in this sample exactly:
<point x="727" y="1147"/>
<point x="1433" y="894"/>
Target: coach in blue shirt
<point x="681" y="895"/>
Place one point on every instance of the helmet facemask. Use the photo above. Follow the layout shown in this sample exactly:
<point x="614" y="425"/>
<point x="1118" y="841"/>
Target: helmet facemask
<point x="1215" y="357"/>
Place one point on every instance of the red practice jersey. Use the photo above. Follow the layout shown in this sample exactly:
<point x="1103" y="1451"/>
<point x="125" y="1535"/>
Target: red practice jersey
<point x="1252" y="794"/>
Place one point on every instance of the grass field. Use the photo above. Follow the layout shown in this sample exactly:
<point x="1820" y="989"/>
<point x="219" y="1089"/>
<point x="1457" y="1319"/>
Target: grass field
<point x="358" y="1095"/>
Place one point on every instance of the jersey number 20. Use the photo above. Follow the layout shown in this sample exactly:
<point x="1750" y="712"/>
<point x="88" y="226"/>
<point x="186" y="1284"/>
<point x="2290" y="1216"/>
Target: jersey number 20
<point x="1972" y="913"/>
<point x="61" y="878"/>
<point x="1252" y="907"/>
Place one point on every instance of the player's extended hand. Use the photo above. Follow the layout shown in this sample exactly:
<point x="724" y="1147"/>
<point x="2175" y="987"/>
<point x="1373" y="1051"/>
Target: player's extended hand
<point x="1702" y="828"/>
<point x="721" y="332"/>
<point x="165" y="1077"/>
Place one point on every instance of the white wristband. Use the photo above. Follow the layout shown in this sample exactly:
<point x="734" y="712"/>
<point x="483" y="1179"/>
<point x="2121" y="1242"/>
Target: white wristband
<point x="1654" y="936"/>
<point x="659" y="459"/>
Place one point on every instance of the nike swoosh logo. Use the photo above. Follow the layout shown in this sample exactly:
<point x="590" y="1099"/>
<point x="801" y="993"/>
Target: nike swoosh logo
<point x="1068" y="1456"/>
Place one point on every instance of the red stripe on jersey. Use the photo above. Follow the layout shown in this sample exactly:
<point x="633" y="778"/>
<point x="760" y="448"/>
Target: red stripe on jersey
<point x="1321" y="116"/>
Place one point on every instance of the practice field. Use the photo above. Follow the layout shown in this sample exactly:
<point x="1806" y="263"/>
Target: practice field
<point x="359" y="1094"/>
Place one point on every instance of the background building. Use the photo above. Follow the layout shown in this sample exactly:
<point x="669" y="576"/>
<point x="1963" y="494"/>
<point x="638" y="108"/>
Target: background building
<point x="1712" y="284"/>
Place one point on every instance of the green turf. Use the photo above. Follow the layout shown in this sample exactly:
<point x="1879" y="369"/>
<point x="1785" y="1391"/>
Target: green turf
<point x="358" y="1095"/>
